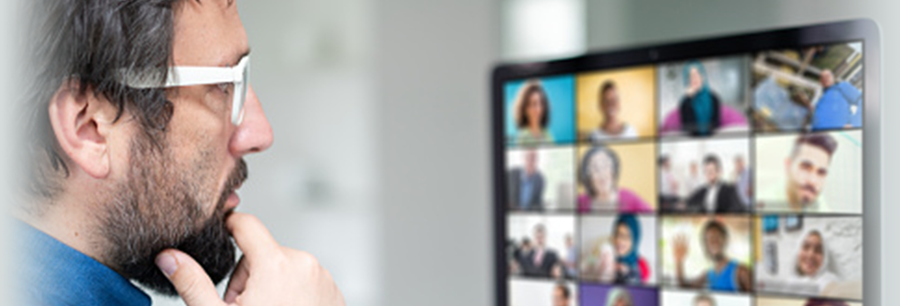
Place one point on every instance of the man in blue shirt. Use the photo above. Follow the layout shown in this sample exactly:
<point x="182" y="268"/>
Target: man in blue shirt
<point x="840" y="105"/>
<point x="726" y="274"/>
<point x="531" y="195"/>
<point x="139" y="115"/>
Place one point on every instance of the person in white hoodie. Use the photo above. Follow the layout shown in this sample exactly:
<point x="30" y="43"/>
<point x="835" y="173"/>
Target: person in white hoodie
<point x="813" y="260"/>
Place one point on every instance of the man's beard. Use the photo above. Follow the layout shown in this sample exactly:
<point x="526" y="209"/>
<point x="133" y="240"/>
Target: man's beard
<point x="162" y="205"/>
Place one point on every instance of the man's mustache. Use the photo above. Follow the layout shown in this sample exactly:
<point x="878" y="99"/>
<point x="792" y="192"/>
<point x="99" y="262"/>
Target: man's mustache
<point x="237" y="177"/>
<point x="810" y="188"/>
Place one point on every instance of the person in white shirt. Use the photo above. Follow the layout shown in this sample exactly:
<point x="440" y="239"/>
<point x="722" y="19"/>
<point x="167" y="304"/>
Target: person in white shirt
<point x="694" y="180"/>
<point x="668" y="185"/>
<point x="743" y="179"/>
<point x="612" y="126"/>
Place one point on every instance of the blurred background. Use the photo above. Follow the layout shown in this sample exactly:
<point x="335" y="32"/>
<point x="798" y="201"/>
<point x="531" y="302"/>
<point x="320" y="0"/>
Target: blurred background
<point x="380" y="108"/>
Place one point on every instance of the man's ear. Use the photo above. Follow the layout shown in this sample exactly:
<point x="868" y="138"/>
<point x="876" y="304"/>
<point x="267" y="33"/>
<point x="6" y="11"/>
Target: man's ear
<point x="82" y="122"/>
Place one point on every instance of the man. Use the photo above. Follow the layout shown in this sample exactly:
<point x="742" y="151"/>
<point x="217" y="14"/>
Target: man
<point x="526" y="185"/>
<point x="694" y="181"/>
<point x="562" y="296"/>
<point x="840" y="105"/>
<point x="716" y="196"/>
<point x="743" y="178"/>
<point x="136" y="161"/>
<point x="806" y="170"/>
<point x="668" y="185"/>
<point x="541" y="261"/>
<point x="726" y="274"/>
<point x="704" y="300"/>
<point x="613" y="125"/>
<point x="571" y="261"/>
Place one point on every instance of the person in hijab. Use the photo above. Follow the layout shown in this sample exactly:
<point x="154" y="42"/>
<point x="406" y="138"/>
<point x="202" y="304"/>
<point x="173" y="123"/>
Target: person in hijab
<point x="532" y="114"/>
<point x="700" y="111"/>
<point x="699" y="106"/>
<point x="600" y="168"/>
<point x="619" y="297"/>
<point x="631" y="268"/>
<point x="812" y="261"/>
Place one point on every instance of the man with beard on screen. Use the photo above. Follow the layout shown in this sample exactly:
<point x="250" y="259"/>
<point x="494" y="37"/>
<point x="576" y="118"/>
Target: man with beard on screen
<point x="139" y="113"/>
<point x="806" y="172"/>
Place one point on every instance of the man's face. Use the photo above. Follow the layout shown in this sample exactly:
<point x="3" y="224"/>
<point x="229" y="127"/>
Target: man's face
<point x="539" y="236"/>
<point x="531" y="160"/>
<point x="806" y="172"/>
<point x="715" y="244"/>
<point x="610" y="103"/>
<point x="703" y="303"/>
<point x="739" y="164"/>
<point x="176" y="191"/>
<point x="559" y="297"/>
<point x="711" y="171"/>
<point x="826" y="78"/>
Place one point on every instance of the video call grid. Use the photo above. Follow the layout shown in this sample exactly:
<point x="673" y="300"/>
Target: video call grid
<point x="659" y="140"/>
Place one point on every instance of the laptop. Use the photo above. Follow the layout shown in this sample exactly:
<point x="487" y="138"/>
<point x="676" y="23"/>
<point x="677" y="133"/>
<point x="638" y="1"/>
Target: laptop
<point x="736" y="170"/>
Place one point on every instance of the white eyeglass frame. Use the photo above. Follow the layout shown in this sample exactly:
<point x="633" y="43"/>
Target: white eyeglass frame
<point x="180" y="76"/>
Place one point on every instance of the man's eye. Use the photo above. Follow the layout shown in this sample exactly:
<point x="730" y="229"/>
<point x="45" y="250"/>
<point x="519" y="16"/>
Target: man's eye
<point x="223" y="87"/>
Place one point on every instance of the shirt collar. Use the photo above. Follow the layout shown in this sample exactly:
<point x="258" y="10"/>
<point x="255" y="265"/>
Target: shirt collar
<point x="53" y="273"/>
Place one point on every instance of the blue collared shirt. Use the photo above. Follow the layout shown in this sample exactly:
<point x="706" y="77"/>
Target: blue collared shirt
<point x="527" y="189"/>
<point x="53" y="273"/>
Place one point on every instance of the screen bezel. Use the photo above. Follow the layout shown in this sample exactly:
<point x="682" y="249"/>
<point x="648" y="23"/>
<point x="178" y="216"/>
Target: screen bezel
<point x="864" y="30"/>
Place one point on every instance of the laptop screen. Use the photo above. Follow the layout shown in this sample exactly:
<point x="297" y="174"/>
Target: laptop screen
<point x="724" y="179"/>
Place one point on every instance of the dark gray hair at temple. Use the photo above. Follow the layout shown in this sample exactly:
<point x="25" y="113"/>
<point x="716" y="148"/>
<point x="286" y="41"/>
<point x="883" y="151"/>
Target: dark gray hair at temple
<point x="89" y="43"/>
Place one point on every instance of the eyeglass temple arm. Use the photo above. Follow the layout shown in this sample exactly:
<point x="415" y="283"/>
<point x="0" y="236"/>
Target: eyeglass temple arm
<point x="190" y="76"/>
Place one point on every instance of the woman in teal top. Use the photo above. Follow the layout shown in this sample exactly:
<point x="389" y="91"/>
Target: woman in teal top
<point x="532" y="114"/>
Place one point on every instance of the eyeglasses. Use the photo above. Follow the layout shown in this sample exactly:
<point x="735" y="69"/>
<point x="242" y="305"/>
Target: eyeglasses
<point x="191" y="76"/>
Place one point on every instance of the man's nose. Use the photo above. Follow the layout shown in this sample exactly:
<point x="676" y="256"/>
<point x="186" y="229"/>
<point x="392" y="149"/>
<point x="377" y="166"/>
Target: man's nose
<point x="254" y="134"/>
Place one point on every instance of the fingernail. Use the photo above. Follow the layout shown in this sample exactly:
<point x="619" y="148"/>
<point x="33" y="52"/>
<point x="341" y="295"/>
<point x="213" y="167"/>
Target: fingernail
<point x="166" y="263"/>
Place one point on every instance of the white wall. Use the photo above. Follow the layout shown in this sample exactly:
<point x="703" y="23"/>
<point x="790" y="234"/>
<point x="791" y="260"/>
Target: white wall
<point x="8" y="23"/>
<point x="434" y="59"/>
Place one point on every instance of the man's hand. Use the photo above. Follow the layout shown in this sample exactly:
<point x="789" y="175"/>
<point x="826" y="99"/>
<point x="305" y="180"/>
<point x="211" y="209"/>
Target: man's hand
<point x="267" y="274"/>
<point x="680" y="248"/>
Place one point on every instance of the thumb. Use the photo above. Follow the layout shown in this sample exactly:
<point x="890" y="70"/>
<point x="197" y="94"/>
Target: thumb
<point x="189" y="278"/>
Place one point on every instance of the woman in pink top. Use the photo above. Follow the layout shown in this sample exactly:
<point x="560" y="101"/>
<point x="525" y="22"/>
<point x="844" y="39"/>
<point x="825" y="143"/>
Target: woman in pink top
<point x="600" y="170"/>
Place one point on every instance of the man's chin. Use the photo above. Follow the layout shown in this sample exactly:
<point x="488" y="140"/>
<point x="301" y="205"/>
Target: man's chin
<point x="211" y="247"/>
<point x="808" y="201"/>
